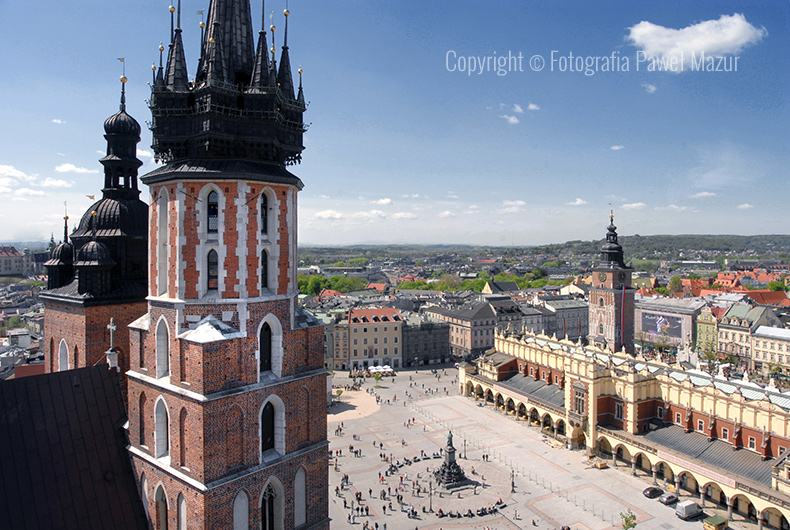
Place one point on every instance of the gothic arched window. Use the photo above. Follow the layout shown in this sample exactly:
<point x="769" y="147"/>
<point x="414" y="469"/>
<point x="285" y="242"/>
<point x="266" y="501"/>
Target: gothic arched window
<point x="162" y="350"/>
<point x="264" y="270"/>
<point x="162" y="429"/>
<point x="264" y="214"/>
<point x="212" y="264"/>
<point x="142" y="412"/>
<point x="267" y="508"/>
<point x="267" y="428"/>
<point x="213" y="212"/>
<point x="266" y="348"/>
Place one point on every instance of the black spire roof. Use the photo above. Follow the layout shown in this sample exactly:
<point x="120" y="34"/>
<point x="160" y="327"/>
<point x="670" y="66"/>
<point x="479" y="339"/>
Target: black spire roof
<point x="611" y="251"/>
<point x="238" y="107"/>
<point x="111" y="238"/>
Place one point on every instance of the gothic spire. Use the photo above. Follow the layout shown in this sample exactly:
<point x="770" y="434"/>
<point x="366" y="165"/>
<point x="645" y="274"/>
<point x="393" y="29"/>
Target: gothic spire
<point x="300" y="96"/>
<point x="235" y="22"/>
<point x="260" y="70"/>
<point x="284" y="77"/>
<point x="611" y="251"/>
<point x="176" y="76"/>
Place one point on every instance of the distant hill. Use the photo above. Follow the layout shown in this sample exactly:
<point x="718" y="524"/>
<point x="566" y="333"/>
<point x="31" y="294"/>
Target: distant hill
<point x="664" y="246"/>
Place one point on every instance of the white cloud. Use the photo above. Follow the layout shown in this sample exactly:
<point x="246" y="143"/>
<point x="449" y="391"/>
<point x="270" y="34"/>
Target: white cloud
<point x="714" y="38"/>
<point x="512" y="120"/>
<point x="532" y="106"/>
<point x="58" y="121"/>
<point x="71" y="168"/>
<point x="473" y="207"/>
<point x="512" y="206"/>
<point x="330" y="215"/>
<point x="518" y="109"/>
<point x="49" y="182"/>
<point x="702" y="194"/>
<point x="27" y="192"/>
<point x="673" y="207"/>
<point x="322" y="197"/>
<point x="144" y="152"/>
<point x="745" y="206"/>
<point x="577" y="202"/>
<point x="650" y="89"/>
<point x="371" y="214"/>
<point x="9" y="175"/>
<point x="634" y="206"/>
<point x="452" y="195"/>
<point x="403" y="215"/>
<point x="5" y="190"/>
<point x="383" y="202"/>
<point x="617" y="147"/>
<point x="446" y="213"/>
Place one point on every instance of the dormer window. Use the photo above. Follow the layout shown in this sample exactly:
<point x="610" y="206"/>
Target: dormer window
<point x="213" y="212"/>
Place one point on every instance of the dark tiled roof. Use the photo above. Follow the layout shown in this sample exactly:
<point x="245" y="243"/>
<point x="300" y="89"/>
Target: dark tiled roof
<point x="219" y="169"/>
<point x="528" y="386"/>
<point x="715" y="454"/>
<point x="125" y="291"/>
<point x="63" y="458"/>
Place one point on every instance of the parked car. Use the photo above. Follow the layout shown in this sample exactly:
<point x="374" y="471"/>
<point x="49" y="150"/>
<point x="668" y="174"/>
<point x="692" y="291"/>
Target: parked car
<point x="668" y="498"/>
<point x="652" y="492"/>
<point x="687" y="510"/>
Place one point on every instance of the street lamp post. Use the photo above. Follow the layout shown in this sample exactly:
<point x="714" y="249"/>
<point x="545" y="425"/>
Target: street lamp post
<point x="464" y="448"/>
<point x="430" y="496"/>
<point x="512" y="481"/>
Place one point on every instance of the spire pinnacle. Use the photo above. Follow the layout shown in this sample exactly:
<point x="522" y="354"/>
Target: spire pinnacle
<point x="287" y="14"/>
<point x="172" y="10"/>
<point x="65" y="222"/>
<point x="123" y="93"/>
<point x="178" y="18"/>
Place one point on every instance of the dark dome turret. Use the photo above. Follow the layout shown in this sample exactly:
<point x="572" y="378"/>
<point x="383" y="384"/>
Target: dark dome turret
<point x="611" y="251"/>
<point x="94" y="254"/>
<point x="122" y="124"/>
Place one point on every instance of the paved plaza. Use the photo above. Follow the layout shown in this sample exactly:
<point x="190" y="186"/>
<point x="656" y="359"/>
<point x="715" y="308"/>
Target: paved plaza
<point x="554" y="486"/>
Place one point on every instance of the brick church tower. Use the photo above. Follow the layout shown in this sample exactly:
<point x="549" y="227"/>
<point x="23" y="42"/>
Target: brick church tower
<point x="227" y="387"/>
<point x="611" y="313"/>
<point x="96" y="281"/>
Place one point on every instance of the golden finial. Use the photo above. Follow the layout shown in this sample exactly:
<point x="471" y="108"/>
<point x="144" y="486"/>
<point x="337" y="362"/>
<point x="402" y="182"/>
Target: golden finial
<point x="153" y="67"/>
<point x="300" y="69"/>
<point x="272" y="28"/>
<point x="123" y="79"/>
<point x="172" y="9"/>
<point x="93" y="213"/>
<point x="286" y="12"/>
<point x="161" y="47"/>
<point x="202" y="25"/>
<point x="272" y="50"/>
<point x="211" y="40"/>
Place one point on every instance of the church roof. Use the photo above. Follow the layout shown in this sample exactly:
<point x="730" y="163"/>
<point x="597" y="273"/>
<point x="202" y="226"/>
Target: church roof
<point x="63" y="459"/>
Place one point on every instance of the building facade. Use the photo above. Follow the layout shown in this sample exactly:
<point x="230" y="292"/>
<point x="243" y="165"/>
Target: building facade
<point x="472" y="328"/>
<point x="13" y="262"/>
<point x="227" y="385"/>
<point x="426" y="340"/>
<point x="374" y="338"/>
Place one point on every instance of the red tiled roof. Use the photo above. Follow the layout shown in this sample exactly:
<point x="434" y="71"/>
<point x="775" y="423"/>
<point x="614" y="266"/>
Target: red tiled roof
<point x="9" y="251"/>
<point x="369" y="316"/>
<point x="377" y="286"/>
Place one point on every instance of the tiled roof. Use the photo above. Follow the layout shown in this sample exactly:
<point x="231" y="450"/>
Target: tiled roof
<point x="716" y="454"/>
<point x="9" y="252"/>
<point x="63" y="458"/>
<point x="370" y="316"/>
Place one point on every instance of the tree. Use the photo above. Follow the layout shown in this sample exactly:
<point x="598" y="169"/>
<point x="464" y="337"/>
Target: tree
<point x="777" y="285"/>
<point x="675" y="284"/>
<point x="629" y="519"/>
<point x="711" y="358"/>
<point x="358" y="262"/>
<point x="338" y="264"/>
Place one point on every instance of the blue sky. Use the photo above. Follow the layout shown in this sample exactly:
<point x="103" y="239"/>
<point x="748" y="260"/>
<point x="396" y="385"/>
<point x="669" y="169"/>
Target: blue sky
<point x="403" y="150"/>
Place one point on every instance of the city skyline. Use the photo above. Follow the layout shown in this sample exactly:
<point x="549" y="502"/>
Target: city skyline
<point x="407" y="147"/>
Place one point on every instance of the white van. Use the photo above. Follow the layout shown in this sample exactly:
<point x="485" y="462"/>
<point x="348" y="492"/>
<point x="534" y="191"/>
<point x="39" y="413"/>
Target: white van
<point x="688" y="510"/>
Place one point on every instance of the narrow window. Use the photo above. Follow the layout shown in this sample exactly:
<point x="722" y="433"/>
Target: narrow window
<point x="266" y="348"/>
<point x="162" y="427"/>
<point x="162" y="350"/>
<point x="264" y="214"/>
<point x="182" y="432"/>
<point x="213" y="212"/>
<point x="267" y="508"/>
<point x="142" y="412"/>
<point x="241" y="512"/>
<point x="212" y="262"/>
<point x="300" y="498"/>
<point x="264" y="270"/>
<point x="267" y="428"/>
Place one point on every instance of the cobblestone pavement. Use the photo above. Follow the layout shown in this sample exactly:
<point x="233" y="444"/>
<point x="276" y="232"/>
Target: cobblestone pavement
<point x="553" y="486"/>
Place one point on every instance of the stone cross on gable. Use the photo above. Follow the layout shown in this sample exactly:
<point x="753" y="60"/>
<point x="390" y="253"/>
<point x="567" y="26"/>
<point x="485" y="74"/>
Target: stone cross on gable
<point x="112" y="327"/>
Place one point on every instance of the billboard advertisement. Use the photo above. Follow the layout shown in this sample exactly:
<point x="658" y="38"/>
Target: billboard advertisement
<point x="658" y="324"/>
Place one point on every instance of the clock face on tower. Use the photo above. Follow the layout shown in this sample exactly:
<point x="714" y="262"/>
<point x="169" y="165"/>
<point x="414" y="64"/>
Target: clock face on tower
<point x="602" y="276"/>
